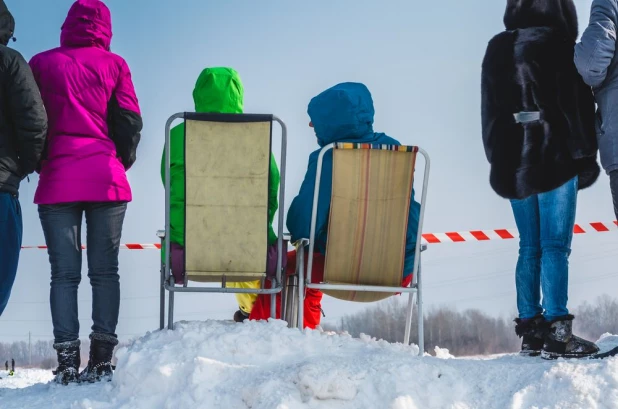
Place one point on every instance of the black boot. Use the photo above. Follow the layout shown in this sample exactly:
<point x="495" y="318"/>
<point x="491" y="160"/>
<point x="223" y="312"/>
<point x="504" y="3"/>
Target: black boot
<point x="68" y="362"/>
<point x="240" y="316"/>
<point x="561" y="343"/>
<point x="532" y="332"/>
<point x="100" y="360"/>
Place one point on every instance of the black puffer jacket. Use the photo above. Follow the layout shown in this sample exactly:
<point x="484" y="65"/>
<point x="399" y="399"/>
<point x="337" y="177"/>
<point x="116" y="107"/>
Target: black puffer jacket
<point x="23" y="121"/>
<point x="530" y="68"/>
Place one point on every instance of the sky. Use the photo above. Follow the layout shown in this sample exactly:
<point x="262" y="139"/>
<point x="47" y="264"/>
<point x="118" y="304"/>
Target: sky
<point x="421" y="61"/>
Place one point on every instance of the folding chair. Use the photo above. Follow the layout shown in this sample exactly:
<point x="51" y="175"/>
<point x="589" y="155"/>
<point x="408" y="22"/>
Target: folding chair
<point x="227" y="163"/>
<point x="365" y="250"/>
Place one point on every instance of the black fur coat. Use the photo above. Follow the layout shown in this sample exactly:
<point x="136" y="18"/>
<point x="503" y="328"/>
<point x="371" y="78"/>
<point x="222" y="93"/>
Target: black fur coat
<point x="532" y="69"/>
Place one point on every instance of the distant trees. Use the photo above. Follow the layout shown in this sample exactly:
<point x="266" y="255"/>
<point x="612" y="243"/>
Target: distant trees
<point x="469" y="332"/>
<point x="43" y="354"/>
<point x="463" y="333"/>
<point x="593" y="320"/>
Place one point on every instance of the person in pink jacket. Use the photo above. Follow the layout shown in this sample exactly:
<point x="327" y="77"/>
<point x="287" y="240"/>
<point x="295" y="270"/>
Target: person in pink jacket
<point x="94" y="130"/>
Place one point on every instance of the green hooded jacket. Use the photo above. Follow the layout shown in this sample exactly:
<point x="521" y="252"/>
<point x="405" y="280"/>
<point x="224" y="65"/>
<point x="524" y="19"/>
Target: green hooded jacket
<point x="217" y="90"/>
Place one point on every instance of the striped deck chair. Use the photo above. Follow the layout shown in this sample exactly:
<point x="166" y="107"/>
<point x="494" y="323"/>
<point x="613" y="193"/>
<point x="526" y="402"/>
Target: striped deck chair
<point x="370" y="202"/>
<point x="227" y="163"/>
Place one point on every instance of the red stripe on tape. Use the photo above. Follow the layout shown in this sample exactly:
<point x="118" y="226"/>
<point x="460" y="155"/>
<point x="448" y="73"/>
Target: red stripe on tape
<point x="132" y="246"/>
<point x="504" y="234"/>
<point x="479" y="235"/>
<point x="455" y="237"/>
<point x="578" y="229"/>
<point x="599" y="227"/>
<point x="431" y="238"/>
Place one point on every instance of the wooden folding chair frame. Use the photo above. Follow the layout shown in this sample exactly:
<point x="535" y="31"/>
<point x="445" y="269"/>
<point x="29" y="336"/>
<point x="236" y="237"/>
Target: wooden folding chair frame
<point x="415" y="287"/>
<point x="167" y="280"/>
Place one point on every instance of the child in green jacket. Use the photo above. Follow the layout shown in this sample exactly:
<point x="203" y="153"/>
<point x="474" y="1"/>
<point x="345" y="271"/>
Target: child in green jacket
<point x="217" y="90"/>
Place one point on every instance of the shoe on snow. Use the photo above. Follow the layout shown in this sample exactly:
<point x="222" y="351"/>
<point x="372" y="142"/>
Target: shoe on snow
<point x="100" y="359"/>
<point x="532" y="332"/>
<point x="68" y="362"/>
<point x="561" y="343"/>
<point x="240" y="316"/>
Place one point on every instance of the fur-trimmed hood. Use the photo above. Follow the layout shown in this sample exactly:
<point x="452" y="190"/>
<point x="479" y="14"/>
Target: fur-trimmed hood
<point x="556" y="14"/>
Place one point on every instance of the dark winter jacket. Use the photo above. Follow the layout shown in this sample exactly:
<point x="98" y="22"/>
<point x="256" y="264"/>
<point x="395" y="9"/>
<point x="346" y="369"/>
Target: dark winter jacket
<point x="596" y="60"/>
<point x="23" y="121"/>
<point x="529" y="68"/>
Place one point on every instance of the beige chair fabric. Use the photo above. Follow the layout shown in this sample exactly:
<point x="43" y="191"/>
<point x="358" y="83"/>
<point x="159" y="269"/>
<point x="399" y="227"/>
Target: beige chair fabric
<point x="227" y="172"/>
<point x="368" y="220"/>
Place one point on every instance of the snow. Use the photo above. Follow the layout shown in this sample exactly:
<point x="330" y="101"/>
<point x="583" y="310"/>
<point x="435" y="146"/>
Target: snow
<point x="216" y="364"/>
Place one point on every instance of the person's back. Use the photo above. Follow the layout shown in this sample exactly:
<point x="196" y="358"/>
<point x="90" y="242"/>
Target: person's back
<point x="23" y="128"/>
<point x="538" y="135"/>
<point x="86" y="88"/>
<point x="529" y="68"/>
<point x="343" y="113"/>
<point x="94" y="131"/>
<point x="597" y="62"/>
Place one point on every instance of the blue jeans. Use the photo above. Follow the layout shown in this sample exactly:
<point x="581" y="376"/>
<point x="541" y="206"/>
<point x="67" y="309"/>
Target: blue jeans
<point x="545" y="222"/>
<point x="62" y="226"/>
<point x="11" y="230"/>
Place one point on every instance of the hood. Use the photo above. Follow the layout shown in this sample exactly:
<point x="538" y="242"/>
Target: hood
<point x="342" y="113"/>
<point x="219" y="90"/>
<point x="559" y="14"/>
<point x="7" y="24"/>
<point x="88" y="24"/>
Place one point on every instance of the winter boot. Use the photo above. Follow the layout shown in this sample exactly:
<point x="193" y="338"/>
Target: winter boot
<point x="240" y="316"/>
<point x="100" y="359"/>
<point x="68" y="362"/>
<point x="561" y="343"/>
<point x="532" y="332"/>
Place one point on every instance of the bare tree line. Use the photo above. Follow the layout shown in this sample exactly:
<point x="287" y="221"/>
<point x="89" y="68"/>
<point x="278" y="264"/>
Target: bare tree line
<point x="43" y="354"/>
<point x="463" y="333"/>
<point x="469" y="332"/>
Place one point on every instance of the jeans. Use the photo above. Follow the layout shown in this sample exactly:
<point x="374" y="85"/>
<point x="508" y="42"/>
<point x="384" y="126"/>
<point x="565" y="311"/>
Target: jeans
<point x="62" y="228"/>
<point x="11" y="230"/>
<point x="613" y="183"/>
<point x="545" y="222"/>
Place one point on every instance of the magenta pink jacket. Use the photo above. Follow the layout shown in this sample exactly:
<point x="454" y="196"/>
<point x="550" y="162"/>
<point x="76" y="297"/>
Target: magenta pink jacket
<point x="94" y="116"/>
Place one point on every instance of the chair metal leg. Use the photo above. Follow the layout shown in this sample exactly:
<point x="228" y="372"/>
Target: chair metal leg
<point x="162" y="299"/>
<point x="406" y="338"/>
<point x="273" y="299"/>
<point x="284" y="297"/>
<point x="170" y="318"/>
<point x="421" y="325"/>
<point x="291" y="304"/>
<point x="300" y="263"/>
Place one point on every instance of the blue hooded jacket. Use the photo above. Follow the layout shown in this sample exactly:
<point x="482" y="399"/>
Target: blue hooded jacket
<point x="343" y="113"/>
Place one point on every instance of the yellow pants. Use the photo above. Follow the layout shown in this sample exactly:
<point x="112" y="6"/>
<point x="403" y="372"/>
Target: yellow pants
<point x="246" y="301"/>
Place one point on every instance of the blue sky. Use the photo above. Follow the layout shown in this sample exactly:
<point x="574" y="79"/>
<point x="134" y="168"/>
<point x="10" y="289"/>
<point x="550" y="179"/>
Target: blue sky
<point x="421" y="60"/>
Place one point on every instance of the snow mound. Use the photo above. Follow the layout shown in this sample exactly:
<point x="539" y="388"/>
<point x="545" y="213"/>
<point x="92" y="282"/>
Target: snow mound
<point x="266" y="365"/>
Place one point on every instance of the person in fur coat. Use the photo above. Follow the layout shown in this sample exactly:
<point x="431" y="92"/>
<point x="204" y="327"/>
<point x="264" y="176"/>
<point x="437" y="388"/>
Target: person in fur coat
<point x="538" y="125"/>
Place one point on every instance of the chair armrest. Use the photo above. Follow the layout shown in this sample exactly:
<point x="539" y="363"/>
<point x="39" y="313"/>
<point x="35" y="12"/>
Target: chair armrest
<point x="161" y="234"/>
<point x="301" y="243"/>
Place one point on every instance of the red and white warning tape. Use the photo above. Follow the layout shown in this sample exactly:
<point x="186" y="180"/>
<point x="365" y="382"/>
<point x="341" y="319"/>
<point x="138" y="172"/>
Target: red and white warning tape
<point x="127" y="246"/>
<point x="431" y="238"/>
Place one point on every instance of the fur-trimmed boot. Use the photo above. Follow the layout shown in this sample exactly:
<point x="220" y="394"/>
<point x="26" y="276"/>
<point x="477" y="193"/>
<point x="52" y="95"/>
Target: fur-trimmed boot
<point x="100" y="360"/>
<point x="532" y="332"/>
<point x="68" y="362"/>
<point x="561" y="343"/>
